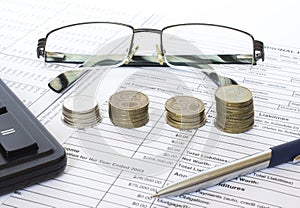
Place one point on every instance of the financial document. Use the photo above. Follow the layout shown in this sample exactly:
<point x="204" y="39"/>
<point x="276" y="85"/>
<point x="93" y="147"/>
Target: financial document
<point x="113" y="167"/>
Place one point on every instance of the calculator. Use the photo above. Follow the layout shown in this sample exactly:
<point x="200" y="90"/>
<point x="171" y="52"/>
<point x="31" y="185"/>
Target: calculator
<point x="29" y="153"/>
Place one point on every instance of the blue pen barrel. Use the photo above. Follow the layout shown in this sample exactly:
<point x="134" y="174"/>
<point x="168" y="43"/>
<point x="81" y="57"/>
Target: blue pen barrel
<point x="285" y="152"/>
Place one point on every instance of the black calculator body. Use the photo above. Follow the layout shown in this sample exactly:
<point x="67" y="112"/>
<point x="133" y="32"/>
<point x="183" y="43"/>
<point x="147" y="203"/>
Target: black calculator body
<point x="29" y="154"/>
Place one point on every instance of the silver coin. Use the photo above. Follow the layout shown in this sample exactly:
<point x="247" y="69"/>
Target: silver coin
<point x="94" y="113"/>
<point x="80" y="120"/>
<point x="80" y="104"/>
<point x="80" y="112"/>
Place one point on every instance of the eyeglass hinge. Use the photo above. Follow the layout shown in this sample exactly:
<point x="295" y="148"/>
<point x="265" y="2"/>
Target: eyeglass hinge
<point x="259" y="50"/>
<point x="40" y="50"/>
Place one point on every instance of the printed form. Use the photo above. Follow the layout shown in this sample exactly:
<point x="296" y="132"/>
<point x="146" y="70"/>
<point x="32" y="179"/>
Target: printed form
<point x="113" y="167"/>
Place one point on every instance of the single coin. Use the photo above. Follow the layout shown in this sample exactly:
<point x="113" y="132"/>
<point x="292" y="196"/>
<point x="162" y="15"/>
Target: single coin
<point x="128" y="100"/>
<point x="79" y="104"/>
<point x="233" y="94"/>
<point x="184" y="106"/>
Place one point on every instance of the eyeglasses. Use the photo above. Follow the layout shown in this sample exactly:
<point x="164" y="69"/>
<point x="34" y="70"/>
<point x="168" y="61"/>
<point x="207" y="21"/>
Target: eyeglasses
<point x="112" y="44"/>
<point x="116" y="44"/>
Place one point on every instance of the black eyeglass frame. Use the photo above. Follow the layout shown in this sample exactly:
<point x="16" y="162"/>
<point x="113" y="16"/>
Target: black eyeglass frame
<point x="258" y="46"/>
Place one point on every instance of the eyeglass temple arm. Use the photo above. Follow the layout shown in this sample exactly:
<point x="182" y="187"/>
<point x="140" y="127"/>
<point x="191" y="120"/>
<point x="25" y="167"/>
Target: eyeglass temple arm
<point x="66" y="79"/>
<point x="259" y="52"/>
<point x="40" y="50"/>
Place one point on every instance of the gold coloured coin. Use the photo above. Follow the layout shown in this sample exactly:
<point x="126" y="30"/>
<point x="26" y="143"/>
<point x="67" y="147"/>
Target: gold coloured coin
<point x="186" y="125"/>
<point x="185" y="112"/>
<point x="130" y="124"/>
<point x="184" y="106"/>
<point x="128" y="100"/>
<point x="235" y="109"/>
<point x="233" y="95"/>
<point x="234" y="130"/>
<point x="128" y="109"/>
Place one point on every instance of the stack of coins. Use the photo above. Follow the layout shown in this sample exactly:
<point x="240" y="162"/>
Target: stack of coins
<point x="128" y="109"/>
<point x="185" y="112"/>
<point x="80" y="112"/>
<point x="235" y="111"/>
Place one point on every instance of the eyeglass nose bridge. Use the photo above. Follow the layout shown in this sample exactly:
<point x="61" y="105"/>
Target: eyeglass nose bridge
<point x="135" y="46"/>
<point x="150" y="30"/>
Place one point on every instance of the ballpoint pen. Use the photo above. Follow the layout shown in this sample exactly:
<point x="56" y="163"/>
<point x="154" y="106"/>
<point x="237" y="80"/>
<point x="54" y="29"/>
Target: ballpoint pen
<point x="269" y="158"/>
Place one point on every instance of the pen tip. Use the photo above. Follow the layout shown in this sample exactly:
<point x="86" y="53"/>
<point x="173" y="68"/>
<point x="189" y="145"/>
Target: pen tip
<point x="155" y="195"/>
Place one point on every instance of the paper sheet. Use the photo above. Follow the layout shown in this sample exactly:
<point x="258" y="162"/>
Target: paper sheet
<point x="113" y="167"/>
<point x="104" y="162"/>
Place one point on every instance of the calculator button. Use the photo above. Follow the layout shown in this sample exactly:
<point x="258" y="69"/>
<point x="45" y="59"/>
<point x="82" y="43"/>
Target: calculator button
<point x="15" y="141"/>
<point x="2" y="108"/>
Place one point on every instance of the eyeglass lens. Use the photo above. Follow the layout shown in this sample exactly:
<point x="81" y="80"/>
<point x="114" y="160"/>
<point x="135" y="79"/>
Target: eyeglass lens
<point x="107" y="44"/>
<point x="206" y="44"/>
